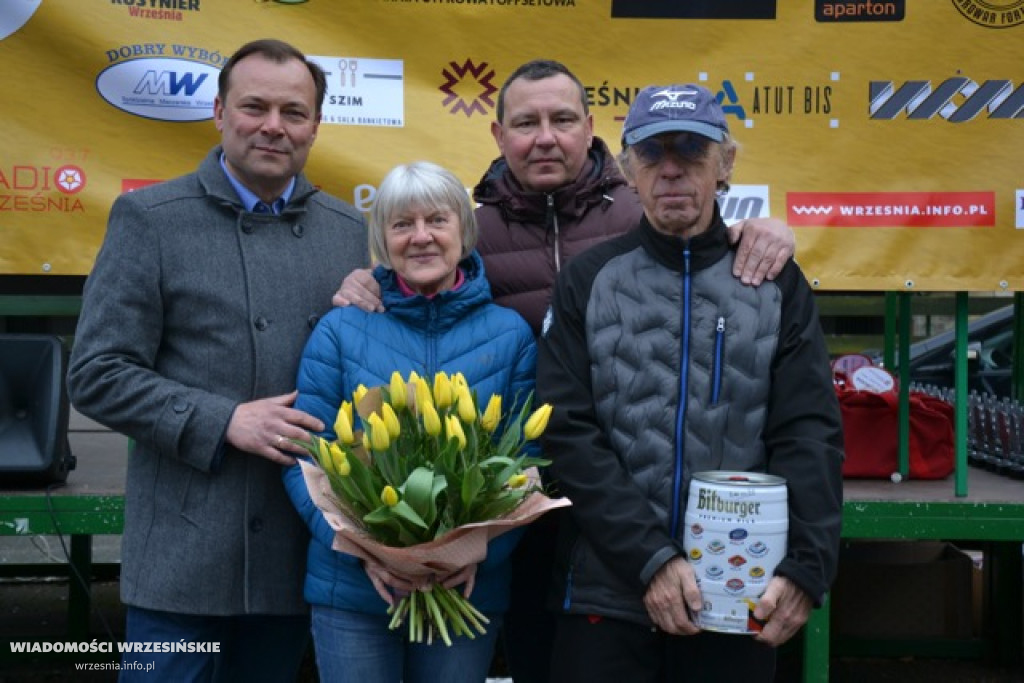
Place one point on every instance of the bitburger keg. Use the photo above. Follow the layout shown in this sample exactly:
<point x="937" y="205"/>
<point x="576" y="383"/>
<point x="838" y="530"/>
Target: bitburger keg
<point x="736" y="526"/>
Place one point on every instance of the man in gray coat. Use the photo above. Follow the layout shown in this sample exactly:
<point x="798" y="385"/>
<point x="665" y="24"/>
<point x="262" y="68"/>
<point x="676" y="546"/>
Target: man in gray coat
<point x="193" y="321"/>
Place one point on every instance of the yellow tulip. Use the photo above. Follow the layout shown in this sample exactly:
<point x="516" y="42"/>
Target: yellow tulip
<point x="323" y="450"/>
<point x="442" y="391"/>
<point x="467" y="411"/>
<point x="366" y="440"/>
<point x="358" y="394"/>
<point x="324" y="458"/>
<point x="459" y="381"/>
<point x="431" y="421"/>
<point x="516" y="480"/>
<point x="340" y="461"/>
<point x="397" y="391"/>
<point x="423" y="396"/>
<point x="454" y="428"/>
<point x="394" y="427"/>
<point x="379" y="439"/>
<point x="343" y="424"/>
<point x="389" y="496"/>
<point x="537" y="422"/>
<point x="492" y="415"/>
<point x="413" y="376"/>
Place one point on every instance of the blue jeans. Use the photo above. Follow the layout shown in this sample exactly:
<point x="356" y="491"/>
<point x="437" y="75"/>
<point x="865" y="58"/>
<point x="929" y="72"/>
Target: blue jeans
<point x="352" y="647"/>
<point x="252" y="647"/>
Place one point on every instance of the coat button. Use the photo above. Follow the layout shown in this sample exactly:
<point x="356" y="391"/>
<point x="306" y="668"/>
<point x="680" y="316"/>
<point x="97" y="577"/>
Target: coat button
<point x="247" y="228"/>
<point x="256" y="525"/>
<point x="260" y="323"/>
<point x="312" y="321"/>
<point x="298" y="230"/>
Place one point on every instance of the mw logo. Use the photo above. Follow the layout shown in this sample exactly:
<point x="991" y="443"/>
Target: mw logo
<point x="955" y="99"/>
<point x="168" y="83"/>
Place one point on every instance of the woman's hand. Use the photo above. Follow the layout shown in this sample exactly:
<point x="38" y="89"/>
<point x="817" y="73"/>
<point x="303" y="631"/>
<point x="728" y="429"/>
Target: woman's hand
<point x="466" y="575"/>
<point x="387" y="583"/>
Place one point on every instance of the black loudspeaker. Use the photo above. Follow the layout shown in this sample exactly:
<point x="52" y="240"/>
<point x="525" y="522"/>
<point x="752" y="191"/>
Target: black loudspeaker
<point x="34" y="410"/>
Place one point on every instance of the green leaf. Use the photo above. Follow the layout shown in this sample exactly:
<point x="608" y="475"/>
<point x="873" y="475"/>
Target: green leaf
<point x="471" y="485"/>
<point x="418" y="493"/>
<point x="404" y="511"/>
<point x="397" y="520"/>
<point x="368" y="482"/>
<point x="499" y="460"/>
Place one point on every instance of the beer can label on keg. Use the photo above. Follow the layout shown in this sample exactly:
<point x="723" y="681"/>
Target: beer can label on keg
<point x="736" y="527"/>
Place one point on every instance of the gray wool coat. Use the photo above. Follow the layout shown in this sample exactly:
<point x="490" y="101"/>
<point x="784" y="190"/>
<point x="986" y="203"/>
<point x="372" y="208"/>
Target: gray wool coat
<point x="195" y="305"/>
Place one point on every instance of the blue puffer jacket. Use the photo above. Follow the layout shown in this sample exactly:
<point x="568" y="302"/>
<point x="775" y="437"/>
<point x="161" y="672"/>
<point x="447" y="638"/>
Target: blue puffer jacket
<point x="456" y="331"/>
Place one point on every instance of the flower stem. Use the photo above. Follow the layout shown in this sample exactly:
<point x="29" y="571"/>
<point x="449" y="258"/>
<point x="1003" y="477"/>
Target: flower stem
<point x="435" y="612"/>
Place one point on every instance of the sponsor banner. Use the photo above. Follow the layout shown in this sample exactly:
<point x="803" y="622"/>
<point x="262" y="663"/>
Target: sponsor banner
<point x="1019" y="209"/>
<point x="859" y="10"/>
<point x="745" y="201"/>
<point x="891" y="209"/>
<point x="167" y="88"/>
<point x="14" y="14"/>
<point x="674" y="9"/>
<point x="363" y="92"/>
<point x="884" y="112"/>
<point x="957" y="100"/>
<point x="992" y="13"/>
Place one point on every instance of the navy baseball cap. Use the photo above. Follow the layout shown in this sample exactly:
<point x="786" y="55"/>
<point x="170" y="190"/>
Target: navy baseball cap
<point x="670" y="108"/>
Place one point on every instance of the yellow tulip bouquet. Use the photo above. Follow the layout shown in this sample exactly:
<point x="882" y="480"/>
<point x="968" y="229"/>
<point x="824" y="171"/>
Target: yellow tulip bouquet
<point x="425" y="485"/>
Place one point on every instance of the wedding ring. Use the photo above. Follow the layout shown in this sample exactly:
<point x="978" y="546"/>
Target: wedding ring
<point x="279" y="442"/>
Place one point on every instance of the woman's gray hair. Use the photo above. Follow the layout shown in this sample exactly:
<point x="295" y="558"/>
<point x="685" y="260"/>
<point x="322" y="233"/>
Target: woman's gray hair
<point x="422" y="185"/>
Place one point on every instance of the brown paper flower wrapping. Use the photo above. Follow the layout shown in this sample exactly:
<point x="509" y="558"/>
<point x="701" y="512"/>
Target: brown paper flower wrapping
<point x="460" y="547"/>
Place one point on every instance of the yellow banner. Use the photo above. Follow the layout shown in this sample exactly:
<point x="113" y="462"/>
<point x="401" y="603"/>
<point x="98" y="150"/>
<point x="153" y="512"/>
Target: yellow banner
<point x="888" y="134"/>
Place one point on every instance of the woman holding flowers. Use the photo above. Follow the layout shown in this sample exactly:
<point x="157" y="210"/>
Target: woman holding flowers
<point x="440" y="318"/>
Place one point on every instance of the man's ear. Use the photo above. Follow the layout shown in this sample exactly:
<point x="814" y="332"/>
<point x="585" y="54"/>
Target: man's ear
<point x="728" y="160"/>
<point x="499" y="136"/>
<point x="626" y="167"/>
<point x="218" y="113"/>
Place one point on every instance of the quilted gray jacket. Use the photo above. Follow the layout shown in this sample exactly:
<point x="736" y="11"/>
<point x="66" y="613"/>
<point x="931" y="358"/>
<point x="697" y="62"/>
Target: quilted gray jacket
<point x="659" y="364"/>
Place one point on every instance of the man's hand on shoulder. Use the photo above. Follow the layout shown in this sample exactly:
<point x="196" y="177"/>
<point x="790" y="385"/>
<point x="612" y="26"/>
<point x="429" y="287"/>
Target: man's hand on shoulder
<point x="360" y="289"/>
<point x="765" y="245"/>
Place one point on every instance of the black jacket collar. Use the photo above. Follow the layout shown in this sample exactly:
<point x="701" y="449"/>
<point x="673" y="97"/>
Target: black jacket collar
<point x="705" y="249"/>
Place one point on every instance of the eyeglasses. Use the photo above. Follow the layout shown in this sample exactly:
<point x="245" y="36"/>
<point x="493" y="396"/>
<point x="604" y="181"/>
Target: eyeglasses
<point x="689" y="147"/>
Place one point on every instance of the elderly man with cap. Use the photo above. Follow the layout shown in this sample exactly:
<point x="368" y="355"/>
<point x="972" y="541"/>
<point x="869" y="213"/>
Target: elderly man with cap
<point x="660" y="363"/>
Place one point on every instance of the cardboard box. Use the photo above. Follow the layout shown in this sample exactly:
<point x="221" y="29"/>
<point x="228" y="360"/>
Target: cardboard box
<point x="902" y="589"/>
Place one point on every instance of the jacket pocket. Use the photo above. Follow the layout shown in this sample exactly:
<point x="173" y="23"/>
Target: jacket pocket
<point x="193" y="499"/>
<point x="575" y="564"/>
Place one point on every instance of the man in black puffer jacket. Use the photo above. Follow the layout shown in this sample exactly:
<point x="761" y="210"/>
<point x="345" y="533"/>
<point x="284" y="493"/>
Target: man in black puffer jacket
<point x="660" y="363"/>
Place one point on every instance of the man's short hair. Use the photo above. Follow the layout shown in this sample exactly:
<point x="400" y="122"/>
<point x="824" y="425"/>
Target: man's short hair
<point x="276" y="51"/>
<point x="536" y="70"/>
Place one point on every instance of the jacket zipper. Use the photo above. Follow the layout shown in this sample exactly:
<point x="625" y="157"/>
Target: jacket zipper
<point x="681" y="411"/>
<point x="553" y="221"/>
<point x="567" y="602"/>
<point x="716" y="372"/>
<point x="431" y="364"/>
